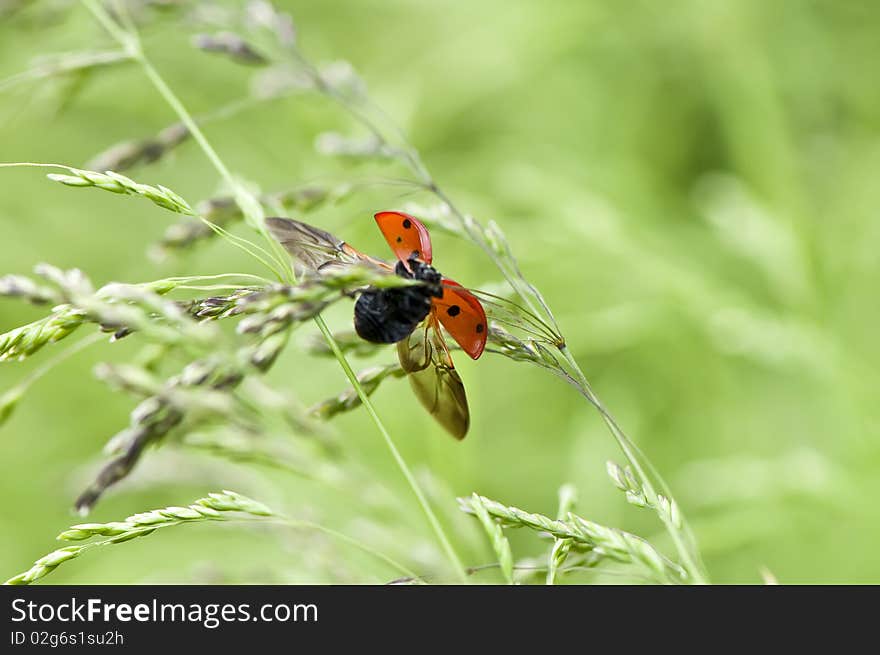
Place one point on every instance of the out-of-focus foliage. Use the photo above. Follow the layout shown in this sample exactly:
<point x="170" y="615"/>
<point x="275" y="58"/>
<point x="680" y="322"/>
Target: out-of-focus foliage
<point x="692" y="185"/>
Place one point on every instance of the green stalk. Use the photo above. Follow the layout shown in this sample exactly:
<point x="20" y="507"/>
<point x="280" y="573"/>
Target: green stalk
<point x="277" y="520"/>
<point x="634" y="457"/>
<point x="252" y="209"/>
<point x="401" y="463"/>
<point x="309" y="525"/>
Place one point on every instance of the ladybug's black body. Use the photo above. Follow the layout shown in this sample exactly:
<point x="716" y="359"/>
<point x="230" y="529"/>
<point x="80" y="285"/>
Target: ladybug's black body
<point x="391" y="315"/>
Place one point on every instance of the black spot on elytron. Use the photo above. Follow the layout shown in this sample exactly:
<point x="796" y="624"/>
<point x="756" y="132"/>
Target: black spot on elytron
<point x="399" y="239"/>
<point x="480" y="328"/>
<point x="455" y="310"/>
<point x="407" y="223"/>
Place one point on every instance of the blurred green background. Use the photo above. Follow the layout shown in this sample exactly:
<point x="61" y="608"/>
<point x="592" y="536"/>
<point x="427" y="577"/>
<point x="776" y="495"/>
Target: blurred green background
<point x="693" y="186"/>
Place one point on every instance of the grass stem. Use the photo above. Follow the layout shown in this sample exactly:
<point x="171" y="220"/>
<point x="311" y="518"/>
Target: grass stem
<point x="395" y="453"/>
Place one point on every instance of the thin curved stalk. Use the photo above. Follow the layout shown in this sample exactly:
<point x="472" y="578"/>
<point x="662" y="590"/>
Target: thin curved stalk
<point x="395" y="453"/>
<point x="634" y="456"/>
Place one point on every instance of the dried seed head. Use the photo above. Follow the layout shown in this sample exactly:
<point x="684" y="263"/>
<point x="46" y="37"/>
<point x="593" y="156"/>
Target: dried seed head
<point x="261" y="14"/>
<point x="342" y="77"/>
<point x="128" y="154"/>
<point x="336" y="145"/>
<point x="276" y="81"/>
<point x="17" y="286"/>
<point x="369" y="380"/>
<point x="230" y="44"/>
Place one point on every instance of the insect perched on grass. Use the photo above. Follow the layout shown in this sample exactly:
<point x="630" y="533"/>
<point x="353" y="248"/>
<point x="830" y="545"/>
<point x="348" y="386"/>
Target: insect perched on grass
<point x="409" y="316"/>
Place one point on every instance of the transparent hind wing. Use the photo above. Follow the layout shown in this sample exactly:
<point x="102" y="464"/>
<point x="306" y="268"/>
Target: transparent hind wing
<point x="315" y="249"/>
<point x="310" y="246"/>
<point x="433" y="378"/>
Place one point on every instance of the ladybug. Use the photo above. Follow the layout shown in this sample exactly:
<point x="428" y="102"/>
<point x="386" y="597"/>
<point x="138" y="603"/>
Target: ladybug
<point x="409" y="316"/>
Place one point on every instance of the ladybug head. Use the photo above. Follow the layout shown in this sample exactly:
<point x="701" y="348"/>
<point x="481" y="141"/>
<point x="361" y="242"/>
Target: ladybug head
<point x="419" y="270"/>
